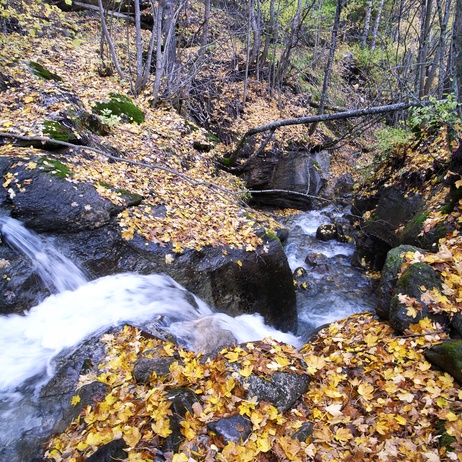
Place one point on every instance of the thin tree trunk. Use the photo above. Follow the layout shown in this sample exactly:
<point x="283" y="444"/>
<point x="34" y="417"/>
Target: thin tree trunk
<point x="330" y="61"/>
<point x="423" y="47"/>
<point x="107" y="37"/>
<point x="367" y="24"/>
<point x="205" y="30"/>
<point x="375" y="31"/>
<point x="457" y="52"/>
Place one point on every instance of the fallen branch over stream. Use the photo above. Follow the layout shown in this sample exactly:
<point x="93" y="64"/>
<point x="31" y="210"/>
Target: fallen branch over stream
<point x="322" y="118"/>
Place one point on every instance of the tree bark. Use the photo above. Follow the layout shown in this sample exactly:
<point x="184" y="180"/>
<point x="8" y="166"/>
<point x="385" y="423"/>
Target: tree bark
<point x="457" y="51"/>
<point x="330" y="61"/>
<point x="314" y="119"/>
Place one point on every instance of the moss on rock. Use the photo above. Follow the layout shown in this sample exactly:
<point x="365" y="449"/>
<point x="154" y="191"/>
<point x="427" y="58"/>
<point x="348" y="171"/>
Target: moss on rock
<point x="119" y="106"/>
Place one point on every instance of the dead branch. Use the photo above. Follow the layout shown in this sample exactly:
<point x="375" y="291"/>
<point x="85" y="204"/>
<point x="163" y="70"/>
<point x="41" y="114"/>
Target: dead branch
<point x="218" y="189"/>
<point x="322" y="118"/>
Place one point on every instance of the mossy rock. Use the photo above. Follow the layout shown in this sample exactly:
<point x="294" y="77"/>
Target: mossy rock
<point x="413" y="235"/>
<point x="40" y="71"/>
<point x="58" y="131"/>
<point x="389" y="278"/>
<point x="410" y="283"/>
<point x="447" y="356"/>
<point x="54" y="166"/>
<point x="120" y="106"/>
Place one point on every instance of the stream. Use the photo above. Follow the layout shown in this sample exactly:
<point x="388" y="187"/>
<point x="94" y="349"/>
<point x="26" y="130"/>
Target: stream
<point x="78" y="309"/>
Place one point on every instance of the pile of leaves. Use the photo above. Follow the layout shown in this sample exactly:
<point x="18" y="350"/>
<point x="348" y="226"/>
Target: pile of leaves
<point x="186" y="201"/>
<point x="373" y="397"/>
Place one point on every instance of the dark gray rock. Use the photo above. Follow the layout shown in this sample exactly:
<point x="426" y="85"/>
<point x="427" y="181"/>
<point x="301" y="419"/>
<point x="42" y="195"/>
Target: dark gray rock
<point x="110" y="452"/>
<point x="394" y="209"/>
<point x="447" y="356"/>
<point x="44" y="200"/>
<point x="145" y="367"/>
<point x="326" y="232"/>
<point x="305" y="431"/>
<point x="182" y="400"/>
<point x="235" y="428"/>
<point x="282" y="389"/>
<point x="410" y="283"/>
<point x="299" y="172"/>
<point x="389" y="278"/>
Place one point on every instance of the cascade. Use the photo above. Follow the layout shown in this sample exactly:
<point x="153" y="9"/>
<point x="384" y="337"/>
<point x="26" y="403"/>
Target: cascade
<point x="78" y="309"/>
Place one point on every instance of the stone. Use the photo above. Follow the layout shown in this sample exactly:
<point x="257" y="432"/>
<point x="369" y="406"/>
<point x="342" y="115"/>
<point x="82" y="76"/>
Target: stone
<point x="410" y="283"/>
<point x="145" y="367"/>
<point x="447" y="356"/>
<point x="235" y="428"/>
<point x="109" y="452"/>
<point x="282" y="389"/>
<point x="326" y="232"/>
<point x="389" y="278"/>
<point x="297" y="176"/>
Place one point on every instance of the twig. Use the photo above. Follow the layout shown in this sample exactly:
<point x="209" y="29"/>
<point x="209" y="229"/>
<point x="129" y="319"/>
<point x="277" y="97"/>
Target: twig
<point x="127" y="161"/>
<point x="442" y="331"/>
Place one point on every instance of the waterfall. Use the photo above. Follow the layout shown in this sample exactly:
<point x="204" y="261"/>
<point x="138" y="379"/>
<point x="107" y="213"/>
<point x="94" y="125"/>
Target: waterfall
<point x="56" y="271"/>
<point x="81" y="309"/>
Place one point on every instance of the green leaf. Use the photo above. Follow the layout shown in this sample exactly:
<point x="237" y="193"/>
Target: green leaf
<point x="68" y="2"/>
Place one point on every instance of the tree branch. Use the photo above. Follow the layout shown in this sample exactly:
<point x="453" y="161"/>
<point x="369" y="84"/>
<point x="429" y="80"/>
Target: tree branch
<point x="187" y="178"/>
<point x="322" y="118"/>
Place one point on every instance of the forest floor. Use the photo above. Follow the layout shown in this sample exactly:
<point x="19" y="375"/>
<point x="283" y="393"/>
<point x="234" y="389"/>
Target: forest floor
<point x="373" y="396"/>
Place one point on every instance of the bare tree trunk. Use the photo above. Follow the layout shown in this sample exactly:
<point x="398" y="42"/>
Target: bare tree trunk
<point x="108" y="39"/>
<point x="367" y="24"/>
<point x="330" y="60"/>
<point x="423" y="47"/>
<point x="457" y="52"/>
<point x="375" y="31"/>
<point x="205" y="30"/>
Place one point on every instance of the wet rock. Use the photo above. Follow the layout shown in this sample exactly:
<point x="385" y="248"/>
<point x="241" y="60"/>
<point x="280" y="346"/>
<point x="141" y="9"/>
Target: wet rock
<point x="343" y="189"/>
<point x="389" y="278"/>
<point x="89" y="394"/>
<point x="145" y="367"/>
<point x="447" y="356"/>
<point x="109" y="452"/>
<point x="182" y="400"/>
<point x="44" y="200"/>
<point x="300" y="172"/>
<point x="305" y="431"/>
<point x="235" y="428"/>
<point x="410" y="283"/>
<point x="282" y="389"/>
<point x="205" y="335"/>
<point x="326" y="232"/>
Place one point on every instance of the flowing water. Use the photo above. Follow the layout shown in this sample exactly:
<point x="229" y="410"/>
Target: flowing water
<point x="79" y="309"/>
<point x="332" y="288"/>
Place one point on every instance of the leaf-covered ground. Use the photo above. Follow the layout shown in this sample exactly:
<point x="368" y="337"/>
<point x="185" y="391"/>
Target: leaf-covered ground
<point x="373" y="395"/>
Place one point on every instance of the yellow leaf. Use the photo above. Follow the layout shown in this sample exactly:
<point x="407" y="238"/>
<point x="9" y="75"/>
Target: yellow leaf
<point x="407" y="397"/>
<point x="264" y="444"/>
<point x="131" y="436"/>
<point x="366" y="391"/>
<point x="343" y="434"/>
<point x="239" y="262"/>
<point x="75" y="400"/>
<point x="246" y="371"/>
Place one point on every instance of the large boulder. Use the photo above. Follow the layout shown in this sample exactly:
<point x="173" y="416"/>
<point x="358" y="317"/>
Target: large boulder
<point x="410" y="284"/>
<point x="389" y="278"/>
<point x="84" y="227"/>
<point x="447" y="356"/>
<point x="295" y="177"/>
